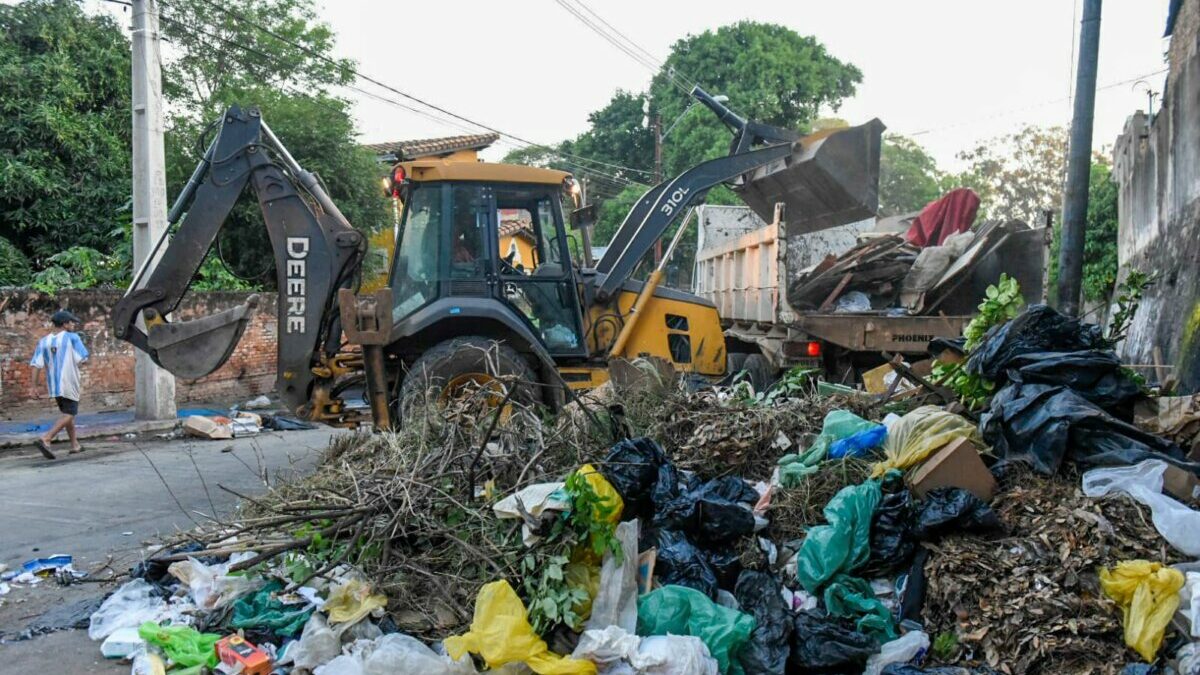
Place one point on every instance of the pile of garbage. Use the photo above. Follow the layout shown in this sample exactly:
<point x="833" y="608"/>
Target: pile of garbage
<point x="910" y="273"/>
<point x="734" y="532"/>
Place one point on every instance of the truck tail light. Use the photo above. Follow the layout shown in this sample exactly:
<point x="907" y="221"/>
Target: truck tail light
<point x="813" y="348"/>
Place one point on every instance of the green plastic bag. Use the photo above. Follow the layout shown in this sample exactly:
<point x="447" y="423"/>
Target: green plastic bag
<point x="839" y="424"/>
<point x="853" y="598"/>
<point x="265" y="612"/>
<point x="678" y="610"/>
<point x="845" y="543"/>
<point x="184" y="645"/>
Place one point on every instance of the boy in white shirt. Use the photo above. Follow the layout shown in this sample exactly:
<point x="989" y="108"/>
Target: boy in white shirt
<point x="60" y="353"/>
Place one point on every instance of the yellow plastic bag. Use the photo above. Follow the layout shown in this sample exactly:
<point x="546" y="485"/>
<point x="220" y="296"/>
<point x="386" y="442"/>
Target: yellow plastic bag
<point x="352" y="601"/>
<point x="918" y="434"/>
<point x="605" y="491"/>
<point x="501" y="634"/>
<point x="1148" y="593"/>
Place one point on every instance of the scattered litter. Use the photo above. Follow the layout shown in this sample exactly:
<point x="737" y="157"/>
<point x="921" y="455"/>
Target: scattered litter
<point x="1148" y="595"/>
<point x="260" y="402"/>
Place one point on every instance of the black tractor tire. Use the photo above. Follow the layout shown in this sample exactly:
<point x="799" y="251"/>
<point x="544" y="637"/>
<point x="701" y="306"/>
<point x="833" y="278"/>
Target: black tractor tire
<point x="760" y="372"/>
<point x="446" y="361"/>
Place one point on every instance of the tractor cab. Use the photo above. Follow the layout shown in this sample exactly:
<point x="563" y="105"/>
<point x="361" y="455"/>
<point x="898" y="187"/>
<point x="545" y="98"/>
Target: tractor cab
<point x="470" y="232"/>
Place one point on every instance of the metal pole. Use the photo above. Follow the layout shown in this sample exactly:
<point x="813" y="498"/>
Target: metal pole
<point x="1079" y="163"/>
<point x="154" y="388"/>
<point x="585" y="232"/>
<point x="658" y="252"/>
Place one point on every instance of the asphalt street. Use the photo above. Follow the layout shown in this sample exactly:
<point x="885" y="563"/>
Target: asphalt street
<point x="106" y="507"/>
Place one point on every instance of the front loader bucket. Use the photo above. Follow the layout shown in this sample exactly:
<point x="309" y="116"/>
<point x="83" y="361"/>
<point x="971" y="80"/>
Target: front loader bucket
<point x="831" y="179"/>
<point x="193" y="349"/>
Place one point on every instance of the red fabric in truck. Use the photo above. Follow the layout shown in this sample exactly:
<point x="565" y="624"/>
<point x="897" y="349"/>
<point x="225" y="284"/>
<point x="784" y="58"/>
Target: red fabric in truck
<point x="952" y="213"/>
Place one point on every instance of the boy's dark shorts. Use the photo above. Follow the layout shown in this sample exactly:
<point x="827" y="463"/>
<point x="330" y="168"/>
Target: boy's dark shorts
<point x="67" y="406"/>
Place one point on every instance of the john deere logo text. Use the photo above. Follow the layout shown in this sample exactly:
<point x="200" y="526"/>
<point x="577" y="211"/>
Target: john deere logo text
<point x="296" y="292"/>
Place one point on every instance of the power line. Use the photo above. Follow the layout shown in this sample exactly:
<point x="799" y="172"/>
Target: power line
<point x="357" y="74"/>
<point x="686" y="78"/>
<point x="649" y="62"/>
<point x="1031" y="106"/>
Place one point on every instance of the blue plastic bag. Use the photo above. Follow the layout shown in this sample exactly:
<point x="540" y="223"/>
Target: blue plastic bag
<point x="860" y="443"/>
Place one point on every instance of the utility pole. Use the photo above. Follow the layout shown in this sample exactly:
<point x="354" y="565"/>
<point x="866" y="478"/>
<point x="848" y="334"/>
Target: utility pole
<point x="154" y="388"/>
<point x="1079" y="163"/>
<point x="658" y="252"/>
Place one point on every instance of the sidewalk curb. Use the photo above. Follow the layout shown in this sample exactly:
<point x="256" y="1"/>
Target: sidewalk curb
<point x="10" y="441"/>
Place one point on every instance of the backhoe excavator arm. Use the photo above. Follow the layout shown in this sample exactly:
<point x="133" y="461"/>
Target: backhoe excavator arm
<point x="316" y="252"/>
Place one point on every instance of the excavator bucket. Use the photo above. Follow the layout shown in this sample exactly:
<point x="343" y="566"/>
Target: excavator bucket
<point x="193" y="349"/>
<point x="830" y="179"/>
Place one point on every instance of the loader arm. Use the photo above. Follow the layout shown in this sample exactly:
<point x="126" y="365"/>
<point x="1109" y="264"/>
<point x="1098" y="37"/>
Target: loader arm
<point x="824" y="179"/>
<point x="316" y="252"/>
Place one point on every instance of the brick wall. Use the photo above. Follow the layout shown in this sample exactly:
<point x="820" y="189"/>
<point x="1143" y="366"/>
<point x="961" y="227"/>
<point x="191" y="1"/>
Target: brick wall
<point x="108" y="374"/>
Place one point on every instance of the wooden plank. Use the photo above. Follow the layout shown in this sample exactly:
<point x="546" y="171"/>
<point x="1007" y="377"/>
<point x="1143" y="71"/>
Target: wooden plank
<point x="837" y="290"/>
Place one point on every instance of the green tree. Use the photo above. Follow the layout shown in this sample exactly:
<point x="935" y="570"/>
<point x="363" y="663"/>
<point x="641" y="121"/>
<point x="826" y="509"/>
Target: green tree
<point x="64" y="127"/>
<point x="222" y="59"/>
<point x="1019" y="175"/>
<point x="618" y="136"/>
<point x="15" y="269"/>
<point x="770" y="73"/>
<point x="1099" y="240"/>
<point x="908" y="176"/>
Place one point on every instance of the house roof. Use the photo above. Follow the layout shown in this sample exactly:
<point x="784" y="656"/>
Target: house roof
<point x="398" y="151"/>
<point x="516" y="227"/>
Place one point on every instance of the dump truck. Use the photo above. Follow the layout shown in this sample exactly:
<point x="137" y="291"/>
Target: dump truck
<point x="459" y="313"/>
<point x="781" y="285"/>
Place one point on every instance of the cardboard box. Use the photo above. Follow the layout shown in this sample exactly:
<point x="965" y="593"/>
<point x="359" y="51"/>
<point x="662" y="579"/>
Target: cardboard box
<point x="1180" y="483"/>
<point x="204" y="427"/>
<point x="956" y="464"/>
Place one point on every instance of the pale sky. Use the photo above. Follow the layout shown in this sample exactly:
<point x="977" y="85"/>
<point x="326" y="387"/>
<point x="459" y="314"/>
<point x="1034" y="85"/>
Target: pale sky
<point x="949" y="73"/>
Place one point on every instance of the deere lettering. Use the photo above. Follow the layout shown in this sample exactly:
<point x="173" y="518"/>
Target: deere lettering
<point x="296" y="292"/>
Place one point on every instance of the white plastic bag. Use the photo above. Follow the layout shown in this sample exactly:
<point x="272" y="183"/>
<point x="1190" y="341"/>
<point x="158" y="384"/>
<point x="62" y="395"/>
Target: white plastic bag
<point x="607" y="646"/>
<point x="1189" y="659"/>
<point x="1177" y="523"/>
<point x="901" y="650"/>
<point x="674" y="655"/>
<point x="132" y="605"/>
<point x="210" y="585"/>
<point x="536" y="500"/>
<point x="398" y="653"/>
<point x="318" y="644"/>
<point x="1189" y="601"/>
<point x="854" y="301"/>
<point x="616" y="601"/>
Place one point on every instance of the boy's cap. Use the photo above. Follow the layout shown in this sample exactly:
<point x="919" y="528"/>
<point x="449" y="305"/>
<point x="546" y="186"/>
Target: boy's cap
<point x="62" y="317"/>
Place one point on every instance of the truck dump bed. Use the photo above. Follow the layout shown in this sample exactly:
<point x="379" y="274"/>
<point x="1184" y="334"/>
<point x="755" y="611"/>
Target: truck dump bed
<point x="770" y="283"/>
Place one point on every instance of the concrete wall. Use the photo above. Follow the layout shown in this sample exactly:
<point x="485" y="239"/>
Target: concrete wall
<point x="1157" y="165"/>
<point x="108" y="374"/>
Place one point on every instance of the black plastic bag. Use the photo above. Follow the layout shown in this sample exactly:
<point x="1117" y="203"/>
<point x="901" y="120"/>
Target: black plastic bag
<point x="821" y="642"/>
<point x="1042" y="425"/>
<point x="706" y="513"/>
<point x="1038" y="329"/>
<point x="1094" y="374"/>
<point x="725" y="563"/>
<point x="681" y="563"/>
<point x="760" y="595"/>
<point x="892" y="539"/>
<point x="632" y="468"/>
<point x="912" y="587"/>
<point x="951" y="509"/>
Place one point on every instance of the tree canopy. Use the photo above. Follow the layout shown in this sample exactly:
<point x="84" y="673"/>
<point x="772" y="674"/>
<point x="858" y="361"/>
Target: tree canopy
<point x="770" y="73"/>
<point x="908" y="177"/>
<point x="64" y="127"/>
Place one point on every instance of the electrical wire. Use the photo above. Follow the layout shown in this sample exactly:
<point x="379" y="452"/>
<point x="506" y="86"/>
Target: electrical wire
<point x="649" y="62"/>
<point x="617" y="182"/>
<point x="341" y="66"/>
<point x="686" y="78"/>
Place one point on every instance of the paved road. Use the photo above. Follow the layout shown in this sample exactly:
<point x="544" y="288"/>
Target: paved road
<point x="112" y="501"/>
